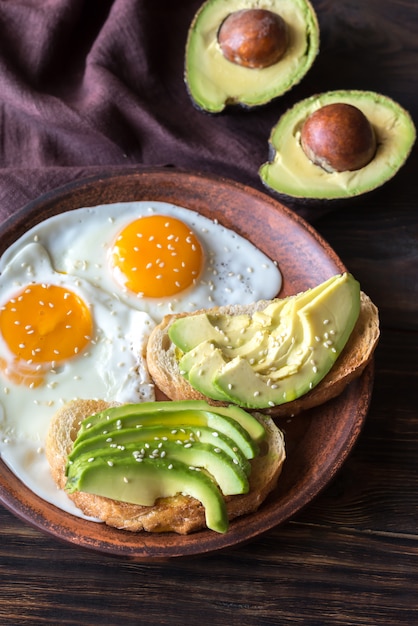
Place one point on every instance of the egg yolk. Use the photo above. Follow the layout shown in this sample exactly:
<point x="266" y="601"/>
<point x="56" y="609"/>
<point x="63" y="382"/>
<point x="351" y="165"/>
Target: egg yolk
<point x="157" y="256"/>
<point x="42" y="325"/>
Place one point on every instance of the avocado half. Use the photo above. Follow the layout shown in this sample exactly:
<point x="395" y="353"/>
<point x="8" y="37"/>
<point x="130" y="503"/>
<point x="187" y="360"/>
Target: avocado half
<point x="213" y="82"/>
<point x="289" y="172"/>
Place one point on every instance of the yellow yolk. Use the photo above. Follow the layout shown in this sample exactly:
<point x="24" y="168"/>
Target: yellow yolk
<point x="43" y="325"/>
<point x="157" y="256"/>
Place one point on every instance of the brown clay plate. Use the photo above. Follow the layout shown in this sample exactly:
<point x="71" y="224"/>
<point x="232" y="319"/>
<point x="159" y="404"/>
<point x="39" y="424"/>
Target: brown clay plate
<point x="318" y="441"/>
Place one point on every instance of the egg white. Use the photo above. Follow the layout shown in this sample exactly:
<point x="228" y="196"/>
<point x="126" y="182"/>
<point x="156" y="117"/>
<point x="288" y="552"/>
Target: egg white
<point x="113" y="367"/>
<point x="235" y="271"/>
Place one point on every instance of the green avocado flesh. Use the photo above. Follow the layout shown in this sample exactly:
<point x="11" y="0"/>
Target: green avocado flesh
<point x="161" y="413"/>
<point x="141" y="452"/>
<point x="291" y="173"/>
<point x="145" y="482"/>
<point x="214" y="82"/>
<point x="284" y="351"/>
<point x="146" y="437"/>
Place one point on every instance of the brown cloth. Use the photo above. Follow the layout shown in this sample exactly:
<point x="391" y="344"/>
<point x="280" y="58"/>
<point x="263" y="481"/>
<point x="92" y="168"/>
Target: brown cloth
<point x="88" y="86"/>
<point x="91" y="85"/>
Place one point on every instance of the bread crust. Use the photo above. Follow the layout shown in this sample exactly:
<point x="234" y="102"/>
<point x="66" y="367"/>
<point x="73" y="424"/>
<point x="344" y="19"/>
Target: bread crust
<point x="180" y="514"/>
<point x="357" y="354"/>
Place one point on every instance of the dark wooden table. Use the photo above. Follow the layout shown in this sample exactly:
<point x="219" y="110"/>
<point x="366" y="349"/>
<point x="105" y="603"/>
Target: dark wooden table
<point x="351" y="557"/>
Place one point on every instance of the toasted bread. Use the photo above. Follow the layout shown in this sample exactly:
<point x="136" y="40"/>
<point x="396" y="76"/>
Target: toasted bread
<point x="181" y="514"/>
<point x="358" y="352"/>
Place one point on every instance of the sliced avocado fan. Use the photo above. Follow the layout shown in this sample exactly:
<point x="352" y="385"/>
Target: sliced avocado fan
<point x="138" y="453"/>
<point x="277" y="361"/>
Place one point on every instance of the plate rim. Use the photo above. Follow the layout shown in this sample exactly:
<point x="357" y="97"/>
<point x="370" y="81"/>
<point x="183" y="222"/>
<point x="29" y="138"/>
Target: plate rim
<point x="176" y="546"/>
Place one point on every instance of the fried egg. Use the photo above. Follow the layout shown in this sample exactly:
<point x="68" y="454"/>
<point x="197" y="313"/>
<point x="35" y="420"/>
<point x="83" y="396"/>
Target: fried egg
<point x="79" y="295"/>
<point x="61" y="338"/>
<point x="157" y="257"/>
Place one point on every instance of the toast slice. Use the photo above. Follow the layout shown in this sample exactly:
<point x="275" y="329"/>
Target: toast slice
<point x="180" y="514"/>
<point x="357" y="354"/>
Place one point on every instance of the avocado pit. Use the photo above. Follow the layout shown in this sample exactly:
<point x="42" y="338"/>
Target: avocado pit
<point x="253" y="38"/>
<point x="338" y="137"/>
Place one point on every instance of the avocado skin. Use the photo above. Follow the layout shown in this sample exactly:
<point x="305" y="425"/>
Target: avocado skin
<point x="290" y="176"/>
<point x="303" y="345"/>
<point x="246" y="88"/>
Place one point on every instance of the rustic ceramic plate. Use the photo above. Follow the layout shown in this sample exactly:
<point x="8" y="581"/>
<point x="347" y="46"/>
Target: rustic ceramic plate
<point x="318" y="441"/>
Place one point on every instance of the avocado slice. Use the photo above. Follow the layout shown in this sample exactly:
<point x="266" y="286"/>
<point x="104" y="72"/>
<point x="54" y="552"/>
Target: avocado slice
<point x="196" y="413"/>
<point x="227" y="474"/>
<point x="114" y="419"/>
<point x="307" y="335"/>
<point x="145" y="482"/>
<point x="198" y="367"/>
<point x="141" y="452"/>
<point x="188" y="332"/>
<point x="324" y="326"/>
<point x="289" y="172"/>
<point x="213" y="81"/>
<point x="158" y="435"/>
<point x="199" y="336"/>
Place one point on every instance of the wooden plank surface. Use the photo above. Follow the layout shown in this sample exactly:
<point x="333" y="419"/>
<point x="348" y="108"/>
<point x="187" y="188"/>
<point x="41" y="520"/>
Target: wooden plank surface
<point x="351" y="557"/>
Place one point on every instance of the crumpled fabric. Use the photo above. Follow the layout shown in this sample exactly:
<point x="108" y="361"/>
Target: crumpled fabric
<point x="91" y="86"/>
